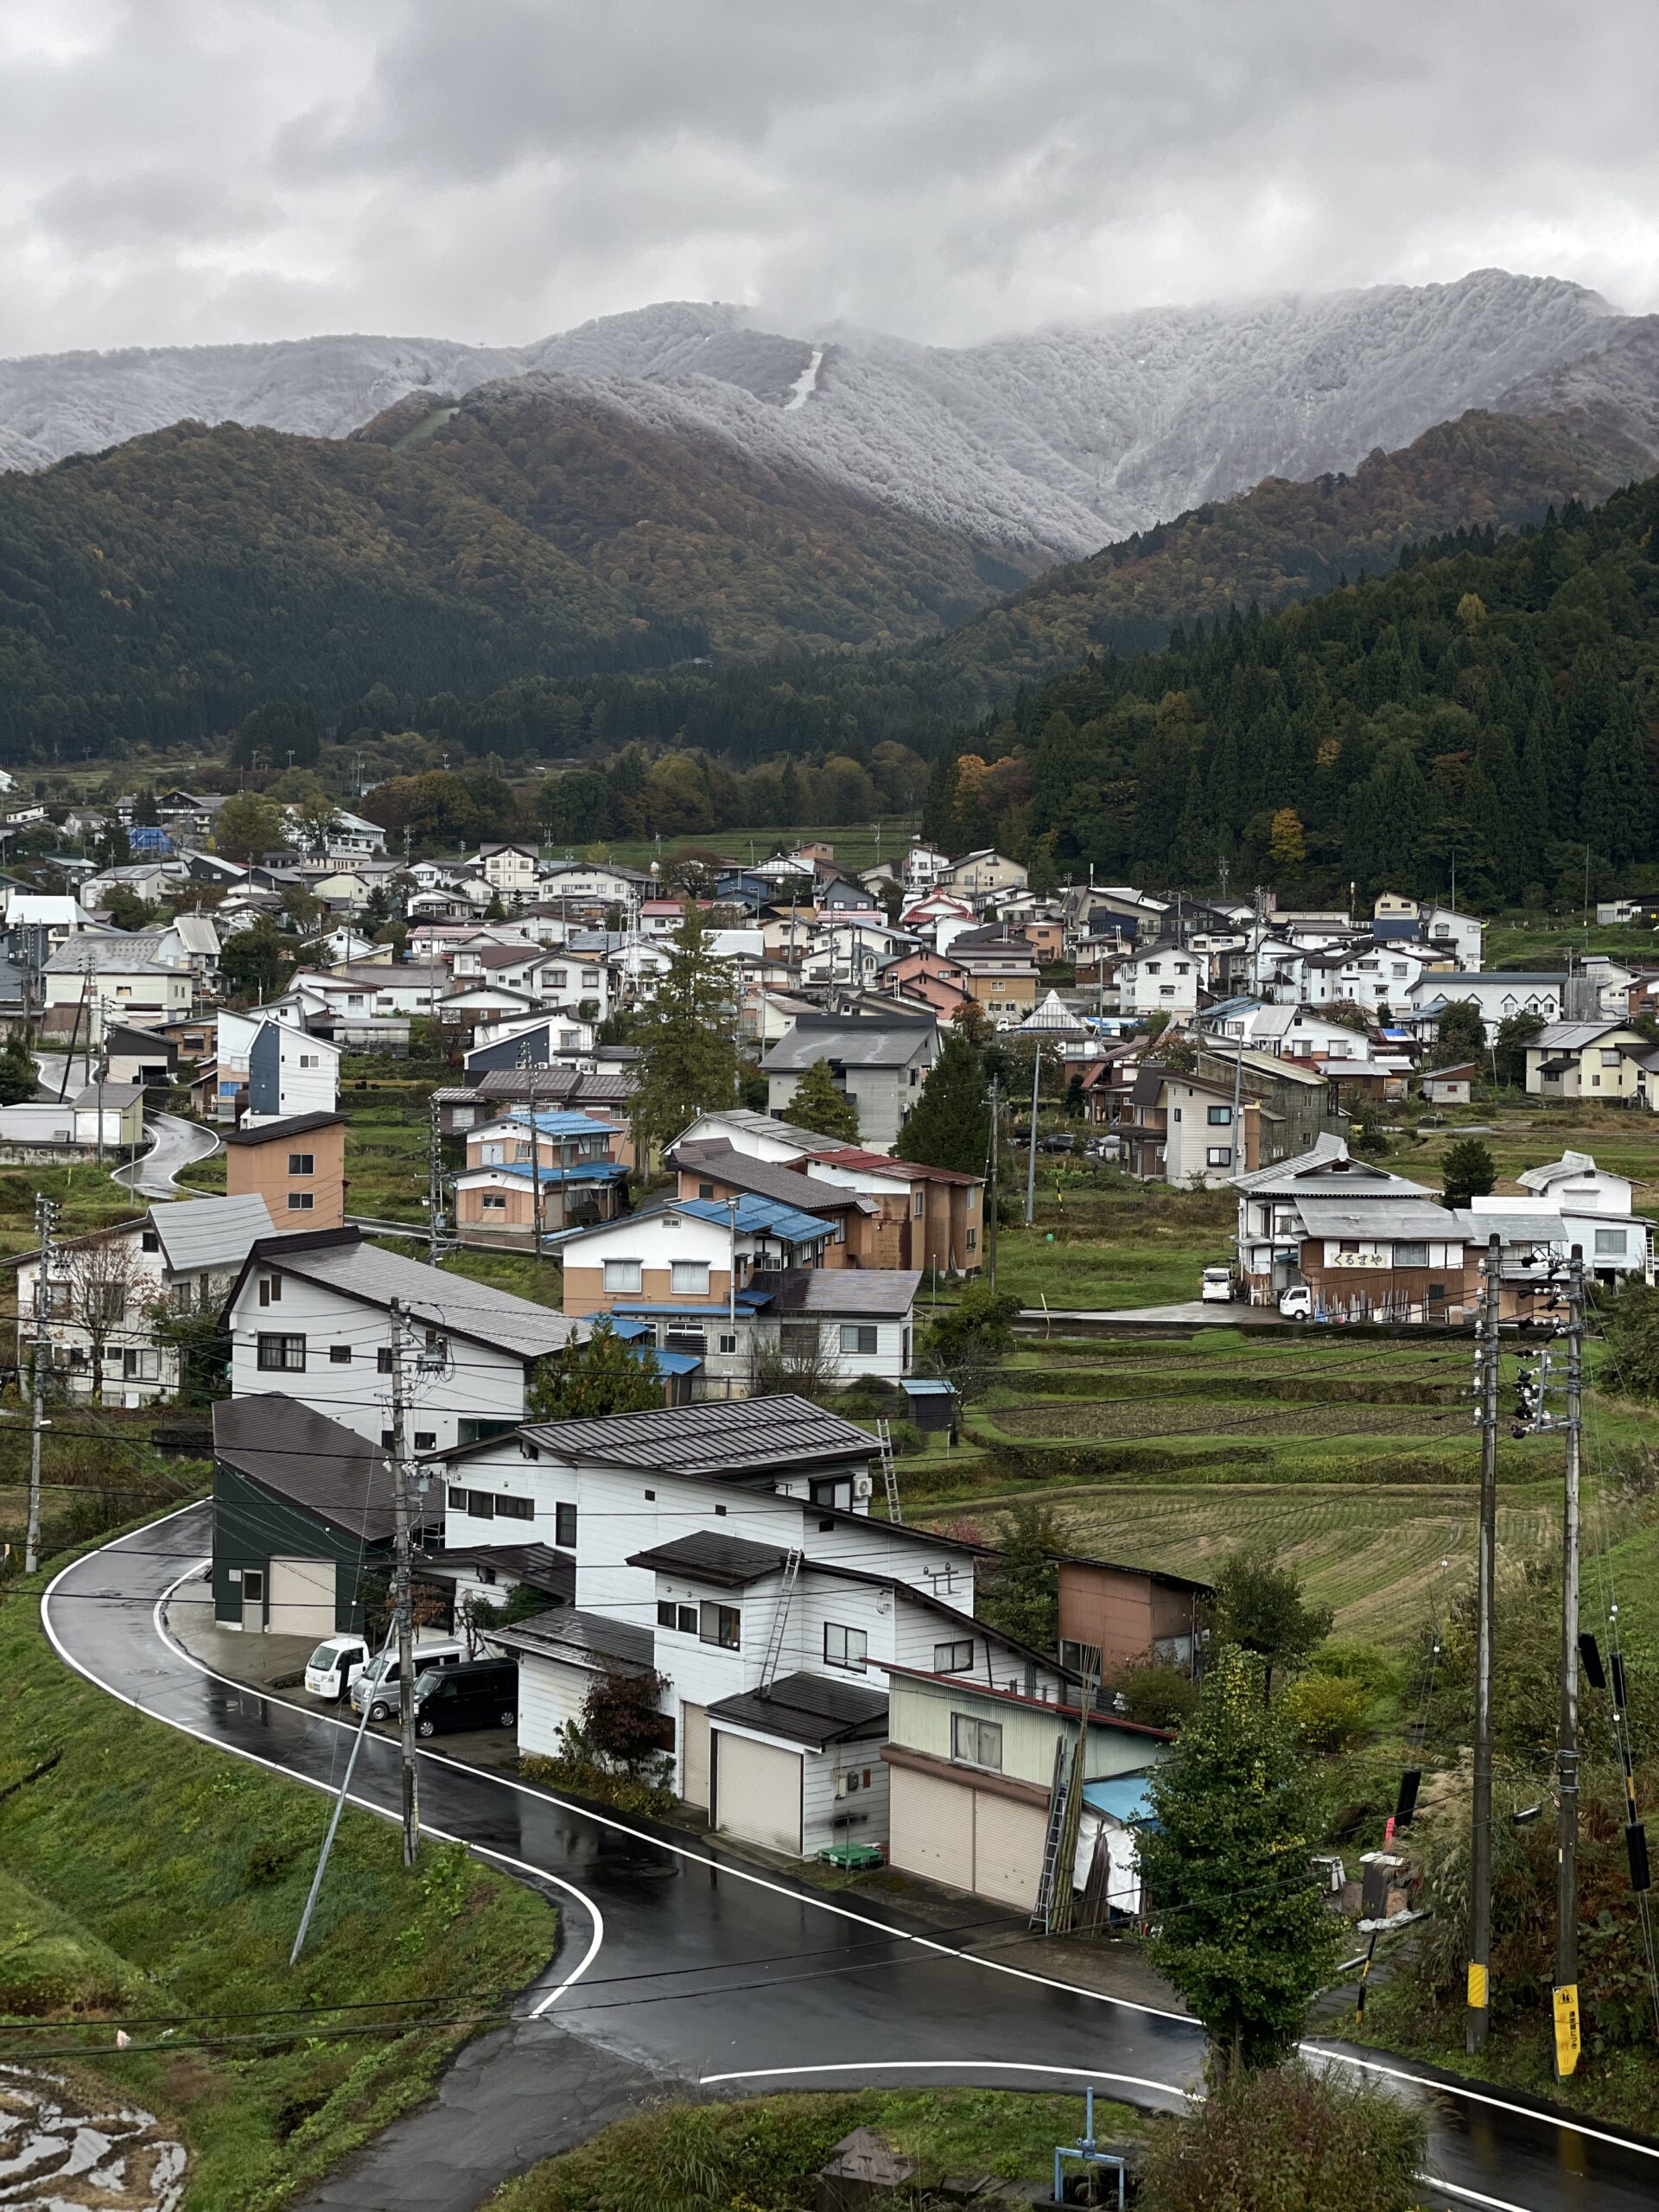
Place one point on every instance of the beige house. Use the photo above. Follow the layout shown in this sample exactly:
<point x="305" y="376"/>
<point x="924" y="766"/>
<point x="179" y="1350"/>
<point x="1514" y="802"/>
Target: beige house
<point x="1600" y="1061"/>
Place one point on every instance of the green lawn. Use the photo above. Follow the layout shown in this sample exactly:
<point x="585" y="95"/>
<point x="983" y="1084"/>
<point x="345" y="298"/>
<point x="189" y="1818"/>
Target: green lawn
<point x="856" y="843"/>
<point x="150" y="1878"/>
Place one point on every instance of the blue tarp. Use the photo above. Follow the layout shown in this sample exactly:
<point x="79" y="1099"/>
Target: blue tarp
<point x="1124" y="1798"/>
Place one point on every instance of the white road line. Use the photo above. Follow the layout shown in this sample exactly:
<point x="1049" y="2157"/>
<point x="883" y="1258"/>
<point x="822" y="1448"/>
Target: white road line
<point x="867" y="2066"/>
<point x="442" y="1835"/>
<point x="1559" y="2122"/>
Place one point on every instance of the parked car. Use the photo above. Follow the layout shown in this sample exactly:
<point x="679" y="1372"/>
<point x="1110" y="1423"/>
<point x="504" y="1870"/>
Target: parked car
<point x="1296" y="1304"/>
<point x="483" y="1693"/>
<point x="1216" y="1287"/>
<point x="335" y="1665"/>
<point x="1059" y="1142"/>
<point x="379" y="1686"/>
<point x="1108" y="1148"/>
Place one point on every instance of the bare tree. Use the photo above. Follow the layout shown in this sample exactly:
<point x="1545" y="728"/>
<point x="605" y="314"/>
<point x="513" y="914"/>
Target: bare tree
<point x="102" y="1296"/>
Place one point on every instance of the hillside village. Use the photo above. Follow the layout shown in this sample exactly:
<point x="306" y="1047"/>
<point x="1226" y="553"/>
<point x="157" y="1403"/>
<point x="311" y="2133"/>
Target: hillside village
<point x="736" y="1543"/>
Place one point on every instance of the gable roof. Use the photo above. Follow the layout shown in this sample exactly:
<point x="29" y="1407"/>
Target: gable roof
<point x="302" y="1456"/>
<point x="768" y="1178"/>
<point x="884" y="1293"/>
<point x="906" y="1171"/>
<point x="209" y="1232"/>
<point x="296" y="1125"/>
<point x="864" y="1041"/>
<point x="737" y="1436"/>
<point x="339" y="1260"/>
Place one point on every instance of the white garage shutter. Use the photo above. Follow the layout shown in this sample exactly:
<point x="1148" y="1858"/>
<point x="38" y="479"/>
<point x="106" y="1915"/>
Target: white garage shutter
<point x="758" y="1792"/>
<point x="932" y="1828"/>
<point x="302" y="1598"/>
<point x="1008" y="1848"/>
<point x="694" y="1754"/>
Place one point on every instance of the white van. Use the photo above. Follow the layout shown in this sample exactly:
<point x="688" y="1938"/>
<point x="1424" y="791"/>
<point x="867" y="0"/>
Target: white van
<point x="1218" y="1287"/>
<point x="334" y="1666"/>
<point x="378" y="1687"/>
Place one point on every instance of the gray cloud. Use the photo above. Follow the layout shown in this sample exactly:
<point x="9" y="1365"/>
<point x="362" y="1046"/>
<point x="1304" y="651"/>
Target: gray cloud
<point x="177" y="170"/>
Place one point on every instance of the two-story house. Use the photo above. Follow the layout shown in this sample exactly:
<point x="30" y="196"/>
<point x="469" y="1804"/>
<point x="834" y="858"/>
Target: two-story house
<point x="312" y="1316"/>
<point x="879" y="1062"/>
<point x="1167" y="979"/>
<point x="1601" y="1061"/>
<point x="550" y="1169"/>
<point x="728" y="1550"/>
<point x="1369" y="1244"/>
<point x="513" y="870"/>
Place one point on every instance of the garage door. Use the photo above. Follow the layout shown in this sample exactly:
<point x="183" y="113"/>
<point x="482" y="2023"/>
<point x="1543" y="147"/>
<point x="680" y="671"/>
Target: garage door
<point x="1008" y="1848"/>
<point x="302" y="1599"/>
<point x="758" y="1792"/>
<point x="694" y="1754"/>
<point x="932" y="1828"/>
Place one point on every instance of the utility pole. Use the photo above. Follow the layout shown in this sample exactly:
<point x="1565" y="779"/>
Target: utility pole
<point x="434" y="1184"/>
<point x="1030" y="1149"/>
<point x="46" y="1220"/>
<point x="1478" y="2019"/>
<point x="1566" y="1756"/>
<point x="990" y="1257"/>
<point x="403" y="1596"/>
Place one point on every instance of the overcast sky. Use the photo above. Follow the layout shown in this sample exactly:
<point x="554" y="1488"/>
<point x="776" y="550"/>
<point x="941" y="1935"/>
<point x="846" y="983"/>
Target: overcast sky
<point x="196" y="170"/>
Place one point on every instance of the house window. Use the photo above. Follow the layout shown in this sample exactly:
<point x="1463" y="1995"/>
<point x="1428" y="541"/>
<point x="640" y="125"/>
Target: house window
<point x="1609" y="1242"/>
<point x="719" y="1625"/>
<point x="457" y="1499"/>
<point x="729" y="1343"/>
<point x="495" y="1202"/>
<point x="150" y="1241"/>
<point x="282" y="1355"/>
<point x="340" y="1355"/>
<point x="301" y="1201"/>
<point x="564" y="1527"/>
<point x="666" y="1610"/>
<point x="426" y="1439"/>
<point x="976" y="1743"/>
<point x="308" y="1060"/>
<point x="301" y="1163"/>
<point x="688" y="1278"/>
<point x="845" y="1647"/>
<point x="1411" y="1256"/>
<point x="622" y="1275"/>
<point x="954" y="1658"/>
<point x="919" y="1205"/>
<point x="270" y="1290"/>
<point x="1219" y="1117"/>
<point x="1218" y="1155"/>
<point x="705" y="1190"/>
<point x="858" y="1336"/>
<point x="514" y="1508"/>
<point x="971" y="1240"/>
<point x="480" y="1504"/>
<point x="1080" y="1658"/>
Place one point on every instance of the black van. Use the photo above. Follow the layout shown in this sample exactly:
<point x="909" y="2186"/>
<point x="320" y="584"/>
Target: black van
<point x="479" y="1694"/>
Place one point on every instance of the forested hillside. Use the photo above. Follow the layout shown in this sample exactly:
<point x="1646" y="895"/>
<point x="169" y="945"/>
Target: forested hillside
<point x="1489" y="702"/>
<point x="1284" y="540"/>
<point x="160" y="590"/>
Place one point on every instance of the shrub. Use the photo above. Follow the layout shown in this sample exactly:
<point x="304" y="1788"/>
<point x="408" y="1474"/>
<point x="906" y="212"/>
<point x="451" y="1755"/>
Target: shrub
<point x="907" y="1438"/>
<point x="1330" y="1711"/>
<point x="1156" y="1694"/>
<point x="1287" y="2140"/>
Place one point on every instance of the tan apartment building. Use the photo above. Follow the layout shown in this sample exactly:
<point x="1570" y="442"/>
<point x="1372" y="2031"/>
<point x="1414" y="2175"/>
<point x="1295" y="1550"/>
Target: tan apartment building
<point x="297" y="1167"/>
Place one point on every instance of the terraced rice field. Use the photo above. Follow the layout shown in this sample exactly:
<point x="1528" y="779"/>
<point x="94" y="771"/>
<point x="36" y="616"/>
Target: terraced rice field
<point x="1375" y="1555"/>
<point x="1225" y="1417"/>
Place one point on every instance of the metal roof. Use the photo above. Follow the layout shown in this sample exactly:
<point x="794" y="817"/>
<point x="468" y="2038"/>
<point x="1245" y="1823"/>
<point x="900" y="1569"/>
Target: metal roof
<point x="887" y="1293"/>
<point x="767" y="1179"/>
<point x="548" y="1121"/>
<point x="807" y="1709"/>
<point x="455" y="1303"/>
<point x="296" y="1125"/>
<point x="755" y="1217"/>
<point x="116" y="1095"/>
<point x="540" y="1565"/>
<point x="1125" y="1798"/>
<point x="863" y="1042"/>
<point x="880" y="1163"/>
<point x="1571" y="1036"/>
<point x="324" y="1469"/>
<point x="209" y="1232"/>
<point x="740" y="1436"/>
<point x="583" y="1171"/>
<point x="725" y="1563"/>
<point x="1398" y="1218"/>
<point x="580" y="1639"/>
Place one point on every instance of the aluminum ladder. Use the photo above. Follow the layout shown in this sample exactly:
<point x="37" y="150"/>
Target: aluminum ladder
<point x="779" y="1622"/>
<point x="1052" y="1839"/>
<point x="889" y="1473"/>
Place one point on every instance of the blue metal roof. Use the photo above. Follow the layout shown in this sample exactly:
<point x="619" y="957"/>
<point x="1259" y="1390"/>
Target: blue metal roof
<point x="551" y="1121"/>
<point x="758" y="1217"/>
<point x="676" y="1362"/>
<point x="747" y="1302"/>
<point x="583" y="1171"/>
<point x="1124" y="1798"/>
<point x="920" y="1387"/>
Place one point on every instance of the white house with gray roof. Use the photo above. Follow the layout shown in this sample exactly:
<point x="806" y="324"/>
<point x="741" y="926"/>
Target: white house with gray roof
<point x="311" y="1316"/>
<point x="879" y="1061"/>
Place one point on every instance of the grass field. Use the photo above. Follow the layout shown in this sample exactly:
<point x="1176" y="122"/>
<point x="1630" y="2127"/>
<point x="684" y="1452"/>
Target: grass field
<point x="147" y="1878"/>
<point x="856" y="845"/>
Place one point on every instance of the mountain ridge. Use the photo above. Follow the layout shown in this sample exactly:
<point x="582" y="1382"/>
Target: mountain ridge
<point x="1040" y="446"/>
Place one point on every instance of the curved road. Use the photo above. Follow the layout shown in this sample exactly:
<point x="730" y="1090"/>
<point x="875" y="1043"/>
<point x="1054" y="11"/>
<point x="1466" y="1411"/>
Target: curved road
<point x="684" y="1961"/>
<point x="173" y="1142"/>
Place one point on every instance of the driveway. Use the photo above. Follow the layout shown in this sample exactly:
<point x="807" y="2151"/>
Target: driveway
<point x="684" y="1968"/>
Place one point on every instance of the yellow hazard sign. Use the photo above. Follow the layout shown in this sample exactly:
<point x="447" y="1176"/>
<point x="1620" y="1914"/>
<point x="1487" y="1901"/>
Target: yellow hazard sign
<point x="1477" y="1988"/>
<point x="1566" y="2029"/>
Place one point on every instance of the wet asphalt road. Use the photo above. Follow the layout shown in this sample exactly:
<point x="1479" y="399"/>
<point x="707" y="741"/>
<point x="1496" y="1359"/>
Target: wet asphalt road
<point x="695" y="1968"/>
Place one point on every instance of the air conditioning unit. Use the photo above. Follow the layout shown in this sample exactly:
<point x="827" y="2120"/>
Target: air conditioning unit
<point x="861" y="1486"/>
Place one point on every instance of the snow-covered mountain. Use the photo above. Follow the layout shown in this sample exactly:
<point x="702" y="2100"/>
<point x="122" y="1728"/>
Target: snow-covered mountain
<point x="1041" y="446"/>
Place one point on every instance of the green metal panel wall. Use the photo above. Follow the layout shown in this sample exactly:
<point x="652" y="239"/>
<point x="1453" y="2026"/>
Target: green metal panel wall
<point x="250" y="1528"/>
